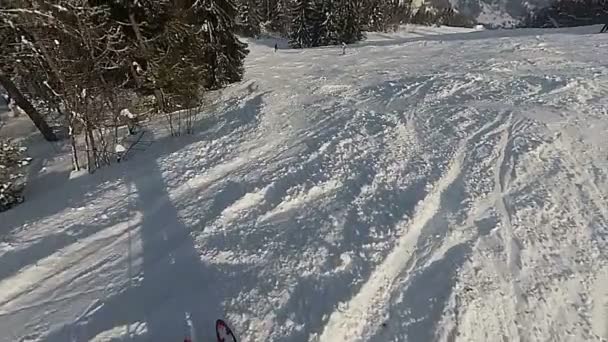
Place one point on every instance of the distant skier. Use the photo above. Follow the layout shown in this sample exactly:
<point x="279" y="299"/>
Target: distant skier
<point x="15" y="110"/>
<point x="604" y="29"/>
<point x="276" y="47"/>
<point x="343" y="48"/>
<point x="131" y="119"/>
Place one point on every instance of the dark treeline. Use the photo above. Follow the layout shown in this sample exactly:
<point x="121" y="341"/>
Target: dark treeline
<point x="309" y="23"/>
<point x="569" y="13"/>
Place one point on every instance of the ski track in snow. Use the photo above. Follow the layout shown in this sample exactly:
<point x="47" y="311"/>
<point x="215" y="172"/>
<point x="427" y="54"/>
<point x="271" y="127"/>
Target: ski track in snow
<point x="349" y="324"/>
<point x="447" y="185"/>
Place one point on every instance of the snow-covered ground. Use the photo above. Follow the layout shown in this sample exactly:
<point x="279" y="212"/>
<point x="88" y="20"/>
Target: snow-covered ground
<point x="436" y="184"/>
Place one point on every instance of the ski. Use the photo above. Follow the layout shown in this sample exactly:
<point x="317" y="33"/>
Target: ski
<point x="223" y="332"/>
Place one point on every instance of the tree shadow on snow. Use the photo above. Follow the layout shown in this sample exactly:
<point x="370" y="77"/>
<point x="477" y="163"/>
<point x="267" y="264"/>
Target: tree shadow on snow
<point x="67" y="193"/>
<point x="235" y="120"/>
<point x="14" y="260"/>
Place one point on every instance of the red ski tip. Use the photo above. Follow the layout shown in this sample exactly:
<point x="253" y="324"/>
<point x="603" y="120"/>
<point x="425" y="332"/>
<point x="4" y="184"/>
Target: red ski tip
<point x="223" y="332"/>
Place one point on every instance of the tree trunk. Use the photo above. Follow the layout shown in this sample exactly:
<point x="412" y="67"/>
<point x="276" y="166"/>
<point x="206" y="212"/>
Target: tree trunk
<point x="87" y="147"/>
<point x="75" y="163"/>
<point x="27" y="107"/>
<point x="93" y="146"/>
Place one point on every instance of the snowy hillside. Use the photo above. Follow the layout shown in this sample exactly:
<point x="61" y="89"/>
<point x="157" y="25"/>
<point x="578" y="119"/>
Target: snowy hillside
<point x="501" y="13"/>
<point x="437" y="184"/>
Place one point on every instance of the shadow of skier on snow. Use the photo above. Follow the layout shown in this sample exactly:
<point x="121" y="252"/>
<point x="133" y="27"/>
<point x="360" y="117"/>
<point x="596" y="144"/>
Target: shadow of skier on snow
<point x="171" y="280"/>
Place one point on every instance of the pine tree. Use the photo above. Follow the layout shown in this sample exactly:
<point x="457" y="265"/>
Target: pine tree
<point x="279" y="16"/>
<point x="224" y="52"/>
<point x="375" y="16"/>
<point x="264" y="9"/>
<point x="318" y="21"/>
<point x="249" y="19"/>
<point x="304" y="27"/>
<point x="350" y="28"/>
<point x="330" y="31"/>
<point x="422" y="16"/>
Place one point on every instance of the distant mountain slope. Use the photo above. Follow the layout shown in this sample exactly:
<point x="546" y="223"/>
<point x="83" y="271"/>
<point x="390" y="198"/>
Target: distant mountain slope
<point x="497" y="12"/>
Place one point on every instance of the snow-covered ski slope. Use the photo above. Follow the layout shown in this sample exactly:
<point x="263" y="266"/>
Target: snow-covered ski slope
<point x="430" y="185"/>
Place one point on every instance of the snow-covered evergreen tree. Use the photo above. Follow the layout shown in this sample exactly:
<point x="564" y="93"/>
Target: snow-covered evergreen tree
<point x="278" y="13"/>
<point x="423" y="16"/>
<point x="249" y="19"/>
<point x="350" y="27"/>
<point x="305" y="24"/>
<point x="330" y="30"/>
<point x="325" y="22"/>
<point x="225" y="52"/>
<point x="382" y="15"/>
<point x="376" y="18"/>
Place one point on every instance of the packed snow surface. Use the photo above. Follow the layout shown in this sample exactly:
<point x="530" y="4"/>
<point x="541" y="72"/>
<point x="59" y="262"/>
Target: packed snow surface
<point x="436" y="184"/>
